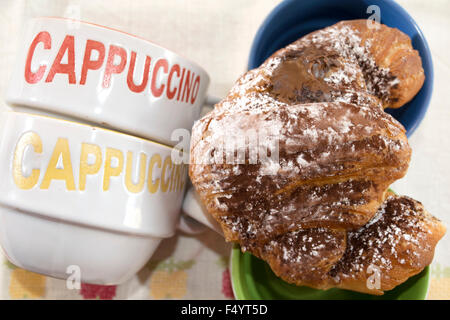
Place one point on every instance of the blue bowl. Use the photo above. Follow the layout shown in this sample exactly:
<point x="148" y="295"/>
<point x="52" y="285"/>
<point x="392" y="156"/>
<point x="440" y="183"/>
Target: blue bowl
<point x="292" y="19"/>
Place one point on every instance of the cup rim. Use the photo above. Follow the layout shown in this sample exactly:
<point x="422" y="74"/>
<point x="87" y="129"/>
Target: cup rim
<point x="99" y="26"/>
<point x="112" y="131"/>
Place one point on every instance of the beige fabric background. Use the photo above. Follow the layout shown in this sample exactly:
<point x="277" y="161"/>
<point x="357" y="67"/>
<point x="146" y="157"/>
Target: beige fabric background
<point x="218" y="35"/>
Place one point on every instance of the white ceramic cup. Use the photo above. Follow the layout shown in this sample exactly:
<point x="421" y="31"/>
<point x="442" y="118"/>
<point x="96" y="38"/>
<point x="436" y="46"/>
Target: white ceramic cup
<point x="106" y="77"/>
<point x="77" y="196"/>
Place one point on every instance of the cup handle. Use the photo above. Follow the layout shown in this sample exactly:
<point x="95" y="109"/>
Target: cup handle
<point x="190" y="226"/>
<point x="210" y="101"/>
<point x="194" y="217"/>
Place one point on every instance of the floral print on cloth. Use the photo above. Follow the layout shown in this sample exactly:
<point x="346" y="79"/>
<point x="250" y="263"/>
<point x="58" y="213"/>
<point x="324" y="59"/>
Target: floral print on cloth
<point x="227" y="289"/>
<point x="95" y="291"/>
<point x="25" y="284"/>
<point x="169" y="278"/>
<point x="440" y="283"/>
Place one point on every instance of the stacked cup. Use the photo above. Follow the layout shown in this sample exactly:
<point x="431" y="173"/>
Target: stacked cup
<point x="89" y="181"/>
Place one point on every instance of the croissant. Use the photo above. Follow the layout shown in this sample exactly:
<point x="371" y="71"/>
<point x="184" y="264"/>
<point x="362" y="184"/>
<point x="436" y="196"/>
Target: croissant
<point x="344" y="62"/>
<point x="296" y="161"/>
<point x="396" y="244"/>
<point x="336" y="160"/>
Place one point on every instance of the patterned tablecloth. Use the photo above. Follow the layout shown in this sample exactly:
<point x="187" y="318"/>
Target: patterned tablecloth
<point x="218" y="34"/>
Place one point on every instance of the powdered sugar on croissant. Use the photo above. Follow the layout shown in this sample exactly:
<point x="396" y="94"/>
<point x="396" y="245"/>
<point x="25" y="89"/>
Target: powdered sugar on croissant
<point x="295" y="162"/>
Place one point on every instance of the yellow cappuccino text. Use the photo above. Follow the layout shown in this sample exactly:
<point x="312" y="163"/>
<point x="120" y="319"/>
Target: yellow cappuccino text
<point x="135" y="172"/>
<point x="29" y="139"/>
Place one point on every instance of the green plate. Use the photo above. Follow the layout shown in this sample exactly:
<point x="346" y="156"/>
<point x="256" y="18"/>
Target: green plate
<point x="252" y="279"/>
